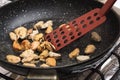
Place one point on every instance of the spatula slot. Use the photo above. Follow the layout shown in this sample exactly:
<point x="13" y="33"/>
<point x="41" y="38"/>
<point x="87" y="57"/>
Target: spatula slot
<point x="58" y="45"/>
<point x="81" y="22"/>
<point x="89" y="17"/>
<point x="49" y="40"/>
<point x="77" y="30"/>
<point x="57" y="41"/>
<point x="60" y="29"/>
<point x="54" y="32"/>
<point x="72" y="37"/>
<point x="98" y="18"/>
<point x="75" y="25"/>
<point x="65" y="41"/>
<point x="91" y="22"/>
<point x="84" y="26"/>
<point x="48" y="37"/>
<point x="74" y="22"/>
<point x="95" y="14"/>
<point x="79" y="34"/>
<point x="71" y="33"/>
<point x="55" y="36"/>
<point x="63" y="37"/>
<point x="62" y="32"/>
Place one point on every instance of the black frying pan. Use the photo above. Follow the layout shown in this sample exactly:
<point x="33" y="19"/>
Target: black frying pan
<point x="28" y="12"/>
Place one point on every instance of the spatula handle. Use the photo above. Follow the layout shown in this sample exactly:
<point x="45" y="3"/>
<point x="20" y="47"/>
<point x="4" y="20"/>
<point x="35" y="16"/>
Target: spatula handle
<point x="107" y="6"/>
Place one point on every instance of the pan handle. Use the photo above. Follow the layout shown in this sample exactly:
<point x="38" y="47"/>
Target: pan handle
<point x="107" y="6"/>
<point x="45" y="74"/>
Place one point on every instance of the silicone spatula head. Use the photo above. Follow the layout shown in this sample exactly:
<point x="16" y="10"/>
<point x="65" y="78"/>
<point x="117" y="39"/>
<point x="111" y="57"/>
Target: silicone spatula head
<point x="78" y="27"/>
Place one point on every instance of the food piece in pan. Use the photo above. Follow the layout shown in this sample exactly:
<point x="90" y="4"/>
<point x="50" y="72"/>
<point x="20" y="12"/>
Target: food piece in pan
<point x="62" y="25"/>
<point x="37" y="37"/>
<point x="52" y="46"/>
<point x="13" y="59"/>
<point x="41" y="58"/>
<point x="96" y="37"/>
<point x="27" y="59"/>
<point x="51" y="62"/>
<point x="39" y="25"/>
<point x="34" y="32"/>
<point x="74" y="53"/>
<point x="41" y="40"/>
<point x="44" y="45"/>
<point x="29" y="53"/>
<point x="13" y="36"/>
<point x="28" y="56"/>
<point x="49" y="29"/>
<point x="68" y="27"/>
<point x="40" y="49"/>
<point x="90" y="49"/>
<point x="29" y="31"/>
<point x="26" y="53"/>
<point x="21" y="32"/>
<point x="25" y="44"/>
<point x="29" y="64"/>
<point x="34" y="61"/>
<point x="44" y="54"/>
<point x="49" y="46"/>
<point x="54" y="55"/>
<point x="82" y="58"/>
<point x="34" y="45"/>
<point x="47" y="24"/>
<point x="43" y="25"/>
<point x="44" y="65"/>
<point x="17" y="46"/>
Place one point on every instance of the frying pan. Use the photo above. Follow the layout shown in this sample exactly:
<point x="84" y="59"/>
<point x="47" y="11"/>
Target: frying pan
<point x="28" y="12"/>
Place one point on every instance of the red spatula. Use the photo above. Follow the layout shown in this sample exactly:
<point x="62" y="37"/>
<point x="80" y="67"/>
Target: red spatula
<point x="66" y="34"/>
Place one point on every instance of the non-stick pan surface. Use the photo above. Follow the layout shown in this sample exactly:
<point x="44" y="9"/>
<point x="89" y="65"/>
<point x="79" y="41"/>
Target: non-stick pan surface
<point x="28" y="12"/>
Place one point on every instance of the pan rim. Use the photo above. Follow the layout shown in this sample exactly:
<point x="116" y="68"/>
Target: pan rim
<point x="71" y="65"/>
